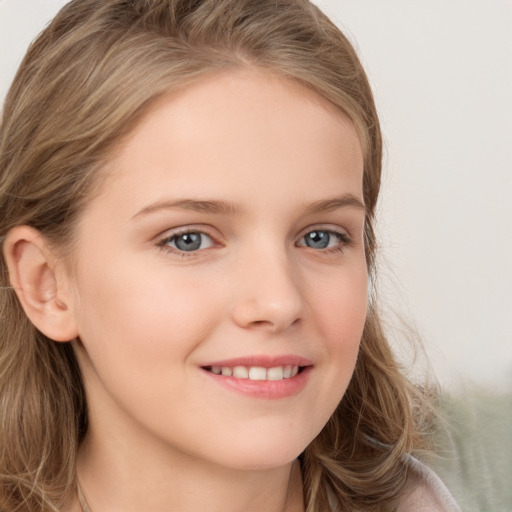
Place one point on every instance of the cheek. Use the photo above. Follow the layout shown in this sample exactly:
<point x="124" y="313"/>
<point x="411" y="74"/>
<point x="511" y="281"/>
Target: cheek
<point x="340" y="310"/>
<point x="337" y="305"/>
<point x="142" y="319"/>
<point x="341" y="306"/>
<point x="138" y="330"/>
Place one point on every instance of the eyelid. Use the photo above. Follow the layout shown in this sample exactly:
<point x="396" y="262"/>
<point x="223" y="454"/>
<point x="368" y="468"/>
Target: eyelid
<point x="162" y="241"/>
<point x="345" y="238"/>
<point x="338" y="230"/>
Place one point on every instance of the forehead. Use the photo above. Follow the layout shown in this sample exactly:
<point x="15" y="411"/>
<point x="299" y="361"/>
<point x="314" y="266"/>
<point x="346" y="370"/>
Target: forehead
<point x="233" y="127"/>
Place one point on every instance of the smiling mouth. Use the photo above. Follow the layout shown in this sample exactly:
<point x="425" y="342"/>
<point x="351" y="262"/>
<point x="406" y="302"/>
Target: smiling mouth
<point x="262" y="377"/>
<point x="274" y="373"/>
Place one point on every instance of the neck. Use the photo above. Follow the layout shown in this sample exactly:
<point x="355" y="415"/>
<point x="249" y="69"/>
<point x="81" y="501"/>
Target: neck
<point x="117" y="479"/>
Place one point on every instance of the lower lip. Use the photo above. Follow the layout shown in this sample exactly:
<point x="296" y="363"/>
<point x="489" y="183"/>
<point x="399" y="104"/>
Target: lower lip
<point x="266" y="389"/>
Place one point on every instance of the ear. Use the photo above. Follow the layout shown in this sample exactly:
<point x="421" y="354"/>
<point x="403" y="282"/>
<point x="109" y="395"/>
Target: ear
<point x="41" y="284"/>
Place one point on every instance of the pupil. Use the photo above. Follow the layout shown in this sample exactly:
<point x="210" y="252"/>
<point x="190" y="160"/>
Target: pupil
<point x="188" y="242"/>
<point x="317" y="239"/>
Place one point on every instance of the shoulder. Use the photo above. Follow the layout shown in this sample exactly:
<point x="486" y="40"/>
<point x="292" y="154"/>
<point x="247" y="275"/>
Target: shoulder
<point x="425" y="491"/>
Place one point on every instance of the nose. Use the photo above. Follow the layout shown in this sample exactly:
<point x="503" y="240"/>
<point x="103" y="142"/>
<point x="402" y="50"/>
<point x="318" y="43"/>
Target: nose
<point x="268" y="294"/>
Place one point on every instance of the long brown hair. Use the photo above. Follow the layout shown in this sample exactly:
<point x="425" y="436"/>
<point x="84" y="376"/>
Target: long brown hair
<point x="84" y="83"/>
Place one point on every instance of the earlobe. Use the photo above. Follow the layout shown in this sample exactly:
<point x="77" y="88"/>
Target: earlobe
<point x="40" y="289"/>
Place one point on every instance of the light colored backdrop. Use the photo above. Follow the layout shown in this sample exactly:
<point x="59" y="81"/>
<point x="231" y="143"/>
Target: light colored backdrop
<point x="442" y="75"/>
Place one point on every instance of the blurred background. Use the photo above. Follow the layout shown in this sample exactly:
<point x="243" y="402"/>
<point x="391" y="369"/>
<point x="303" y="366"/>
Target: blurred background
<point x="441" y="71"/>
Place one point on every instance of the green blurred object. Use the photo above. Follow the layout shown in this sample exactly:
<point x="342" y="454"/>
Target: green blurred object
<point x="475" y="449"/>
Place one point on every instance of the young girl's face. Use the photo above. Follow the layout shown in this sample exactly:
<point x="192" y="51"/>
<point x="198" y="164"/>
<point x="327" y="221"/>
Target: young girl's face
<point x="228" y="237"/>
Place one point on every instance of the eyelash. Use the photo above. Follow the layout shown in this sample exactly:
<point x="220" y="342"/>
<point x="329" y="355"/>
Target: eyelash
<point x="164" y="243"/>
<point x="344" y="241"/>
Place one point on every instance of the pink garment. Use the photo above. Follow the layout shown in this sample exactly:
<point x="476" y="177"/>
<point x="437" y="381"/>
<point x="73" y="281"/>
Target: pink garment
<point x="426" y="493"/>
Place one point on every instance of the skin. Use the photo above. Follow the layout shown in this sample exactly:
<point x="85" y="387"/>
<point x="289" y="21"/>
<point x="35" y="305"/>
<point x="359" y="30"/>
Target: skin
<point x="149" y="316"/>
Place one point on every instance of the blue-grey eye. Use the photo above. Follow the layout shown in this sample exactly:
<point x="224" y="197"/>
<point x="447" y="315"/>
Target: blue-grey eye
<point x="321" y="239"/>
<point x="192" y="241"/>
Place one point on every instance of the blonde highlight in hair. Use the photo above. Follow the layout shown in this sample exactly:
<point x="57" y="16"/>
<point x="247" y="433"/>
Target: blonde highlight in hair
<point x="83" y="85"/>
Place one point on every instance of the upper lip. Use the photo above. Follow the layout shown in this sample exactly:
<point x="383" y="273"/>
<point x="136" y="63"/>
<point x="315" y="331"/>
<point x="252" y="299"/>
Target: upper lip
<point x="262" y="361"/>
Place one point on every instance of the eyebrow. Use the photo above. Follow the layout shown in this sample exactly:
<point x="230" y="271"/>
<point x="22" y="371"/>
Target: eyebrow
<point x="202" y="206"/>
<point x="230" y="208"/>
<point x="335" y="203"/>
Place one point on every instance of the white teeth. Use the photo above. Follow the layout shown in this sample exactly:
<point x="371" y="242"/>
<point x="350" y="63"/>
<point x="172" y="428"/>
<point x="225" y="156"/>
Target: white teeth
<point x="275" y="373"/>
<point x="240" y="372"/>
<point x="257" y="372"/>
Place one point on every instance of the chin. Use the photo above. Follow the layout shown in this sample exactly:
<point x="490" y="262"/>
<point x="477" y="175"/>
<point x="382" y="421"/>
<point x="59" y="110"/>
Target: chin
<point x="251" y="461"/>
<point x="262" y="451"/>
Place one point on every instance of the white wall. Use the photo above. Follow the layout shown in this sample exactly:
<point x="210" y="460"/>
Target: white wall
<point x="442" y="74"/>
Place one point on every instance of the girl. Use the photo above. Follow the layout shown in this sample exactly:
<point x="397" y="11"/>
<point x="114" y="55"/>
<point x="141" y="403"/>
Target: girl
<point x="187" y="196"/>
